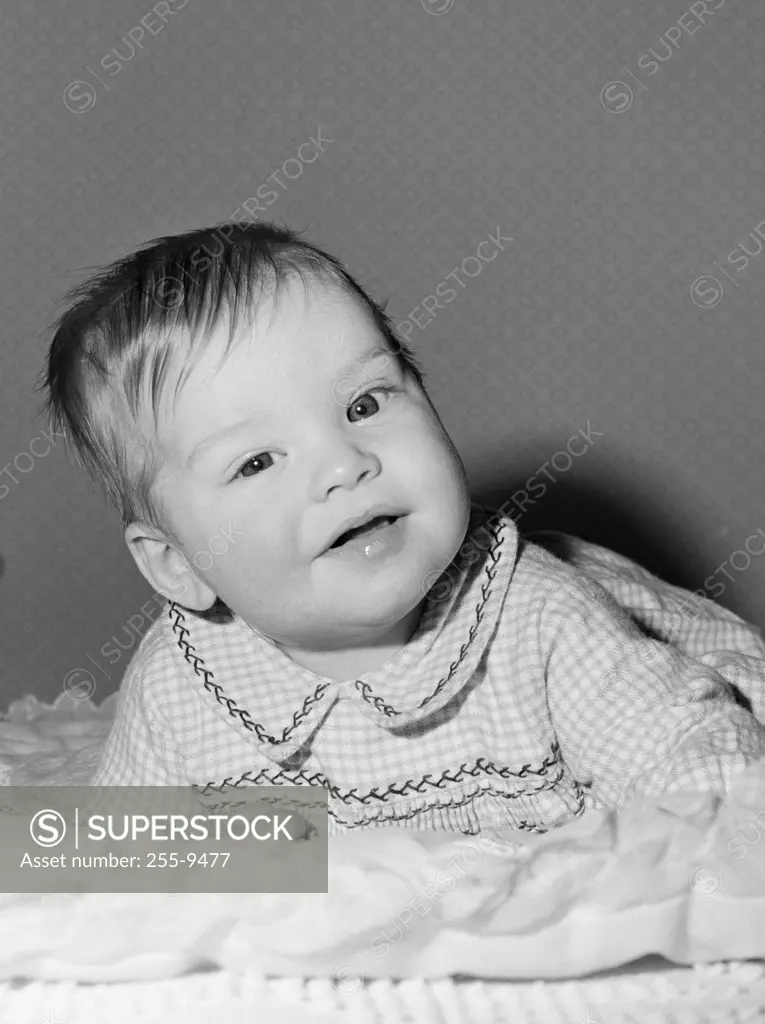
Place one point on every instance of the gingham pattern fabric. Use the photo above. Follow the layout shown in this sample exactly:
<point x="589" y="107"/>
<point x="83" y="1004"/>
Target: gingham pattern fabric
<point x="530" y="691"/>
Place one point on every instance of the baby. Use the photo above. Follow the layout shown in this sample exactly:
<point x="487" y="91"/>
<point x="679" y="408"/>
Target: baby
<point x="338" y="613"/>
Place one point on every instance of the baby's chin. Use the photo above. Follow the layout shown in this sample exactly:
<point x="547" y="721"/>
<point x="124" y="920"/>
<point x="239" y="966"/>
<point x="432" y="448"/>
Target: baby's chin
<point x="352" y="604"/>
<point x="385" y="609"/>
<point x="345" y="593"/>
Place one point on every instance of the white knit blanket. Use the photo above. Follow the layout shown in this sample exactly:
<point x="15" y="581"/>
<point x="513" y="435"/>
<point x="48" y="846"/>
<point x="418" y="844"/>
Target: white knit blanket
<point x="600" y="892"/>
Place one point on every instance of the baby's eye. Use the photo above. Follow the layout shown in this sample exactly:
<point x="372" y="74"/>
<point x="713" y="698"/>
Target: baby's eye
<point x="252" y="461"/>
<point x="367" y="403"/>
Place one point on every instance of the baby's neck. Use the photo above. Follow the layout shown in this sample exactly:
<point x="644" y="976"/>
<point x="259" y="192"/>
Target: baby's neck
<point x="349" y="663"/>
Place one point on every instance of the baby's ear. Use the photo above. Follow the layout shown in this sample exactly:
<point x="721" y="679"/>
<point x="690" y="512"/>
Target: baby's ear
<point x="167" y="569"/>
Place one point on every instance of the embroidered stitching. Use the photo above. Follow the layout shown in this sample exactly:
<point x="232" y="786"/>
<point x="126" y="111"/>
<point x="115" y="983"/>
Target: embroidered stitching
<point x="410" y="787"/>
<point x="522" y="825"/>
<point x="491" y="571"/>
<point x="216" y="689"/>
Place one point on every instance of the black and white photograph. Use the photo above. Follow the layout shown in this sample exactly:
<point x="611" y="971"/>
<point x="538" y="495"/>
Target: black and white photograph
<point x="382" y="512"/>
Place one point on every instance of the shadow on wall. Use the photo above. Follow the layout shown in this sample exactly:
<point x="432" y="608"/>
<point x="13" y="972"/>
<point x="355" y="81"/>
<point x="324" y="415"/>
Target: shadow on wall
<point x="599" y="517"/>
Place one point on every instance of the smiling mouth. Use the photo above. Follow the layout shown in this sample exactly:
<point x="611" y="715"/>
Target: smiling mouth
<point x="358" y="531"/>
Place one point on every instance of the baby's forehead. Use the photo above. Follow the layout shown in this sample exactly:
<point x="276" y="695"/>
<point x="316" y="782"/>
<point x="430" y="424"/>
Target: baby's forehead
<point x="315" y="322"/>
<point x="317" y="301"/>
<point x="320" y="319"/>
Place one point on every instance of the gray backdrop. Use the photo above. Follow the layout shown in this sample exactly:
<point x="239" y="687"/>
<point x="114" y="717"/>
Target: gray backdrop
<point x="625" y="300"/>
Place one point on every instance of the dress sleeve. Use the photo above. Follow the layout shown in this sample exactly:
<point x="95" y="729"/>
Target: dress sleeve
<point x="635" y="716"/>
<point x="698" y="626"/>
<point x="140" y="749"/>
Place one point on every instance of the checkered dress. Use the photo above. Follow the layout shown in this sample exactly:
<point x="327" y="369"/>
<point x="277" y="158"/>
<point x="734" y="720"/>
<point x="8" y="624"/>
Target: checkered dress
<point x="541" y="680"/>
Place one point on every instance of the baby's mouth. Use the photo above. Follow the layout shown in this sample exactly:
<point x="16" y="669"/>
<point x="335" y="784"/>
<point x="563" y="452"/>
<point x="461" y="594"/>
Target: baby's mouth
<point x="357" y="531"/>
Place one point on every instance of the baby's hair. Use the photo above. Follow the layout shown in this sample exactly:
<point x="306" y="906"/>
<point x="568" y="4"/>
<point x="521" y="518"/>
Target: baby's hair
<point x="108" y="360"/>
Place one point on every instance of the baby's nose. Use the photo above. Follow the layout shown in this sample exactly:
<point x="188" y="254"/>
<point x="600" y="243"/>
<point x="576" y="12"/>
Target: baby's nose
<point x="344" y="466"/>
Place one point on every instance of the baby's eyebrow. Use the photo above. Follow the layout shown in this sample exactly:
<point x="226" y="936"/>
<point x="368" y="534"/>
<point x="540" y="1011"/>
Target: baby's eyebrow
<point x="209" y="442"/>
<point x="372" y="355"/>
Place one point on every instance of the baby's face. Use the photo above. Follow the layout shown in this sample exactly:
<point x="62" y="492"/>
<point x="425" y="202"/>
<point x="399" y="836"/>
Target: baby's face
<point x="307" y="424"/>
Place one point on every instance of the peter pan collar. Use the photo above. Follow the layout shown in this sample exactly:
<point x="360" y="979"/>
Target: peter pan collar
<point x="256" y="688"/>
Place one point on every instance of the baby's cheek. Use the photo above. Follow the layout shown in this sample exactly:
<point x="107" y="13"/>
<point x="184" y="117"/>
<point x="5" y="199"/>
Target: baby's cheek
<point x="429" y="458"/>
<point x="443" y="483"/>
